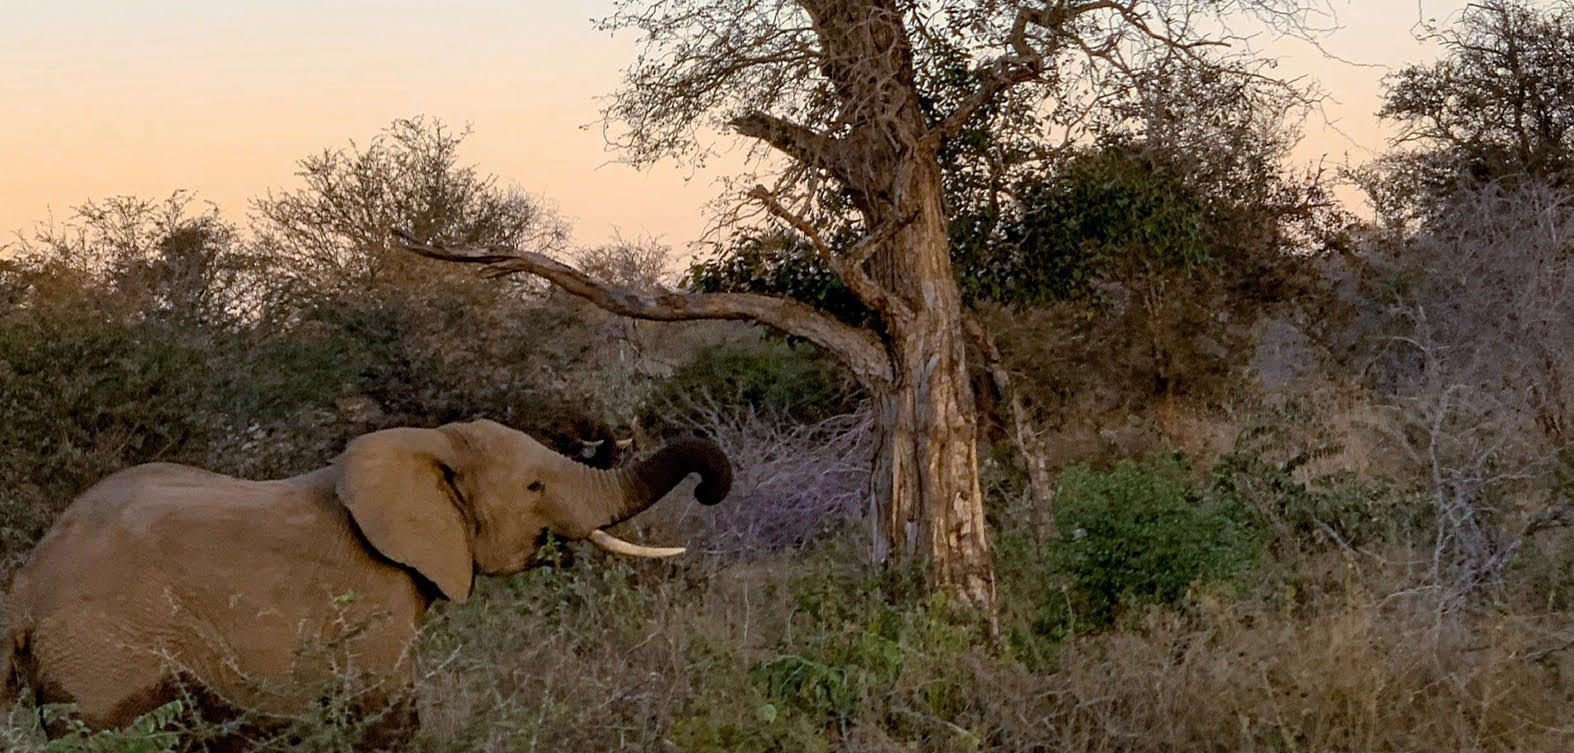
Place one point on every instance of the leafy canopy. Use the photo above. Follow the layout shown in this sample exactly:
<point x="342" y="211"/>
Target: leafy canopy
<point x="1499" y="106"/>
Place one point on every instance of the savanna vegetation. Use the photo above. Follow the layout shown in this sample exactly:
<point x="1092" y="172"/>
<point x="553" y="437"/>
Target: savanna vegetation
<point x="1258" y="473"/>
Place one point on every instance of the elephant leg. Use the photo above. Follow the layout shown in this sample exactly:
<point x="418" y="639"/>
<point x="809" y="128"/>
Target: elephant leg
<point x="109" y="685"/>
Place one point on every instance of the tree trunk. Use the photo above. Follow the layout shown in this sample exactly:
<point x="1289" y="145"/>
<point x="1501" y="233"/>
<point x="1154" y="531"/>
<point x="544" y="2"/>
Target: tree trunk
<point x="927" y="466"/>
<point x="927" y="472"/>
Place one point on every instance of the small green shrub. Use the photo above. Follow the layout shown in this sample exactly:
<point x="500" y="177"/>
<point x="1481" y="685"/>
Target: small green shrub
<point x="816" y="688"/>
<point x="1141" y="534"/>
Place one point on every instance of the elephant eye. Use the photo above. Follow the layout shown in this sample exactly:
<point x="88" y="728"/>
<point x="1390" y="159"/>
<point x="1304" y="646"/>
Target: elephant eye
<point x="536" y="486"/>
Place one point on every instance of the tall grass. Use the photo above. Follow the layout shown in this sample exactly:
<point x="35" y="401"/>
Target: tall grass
<point x="803" y="647"/>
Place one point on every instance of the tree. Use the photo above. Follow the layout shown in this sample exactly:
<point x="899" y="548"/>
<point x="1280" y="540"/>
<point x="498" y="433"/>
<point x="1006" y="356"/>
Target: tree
<point x="163" y="259"/>
<point x="1472" y="282"/>
<point x="334" y="230"/>
<point x="832" y="89"/>
<point x="1498" y="106"/>
<point x="1474" y="319"/>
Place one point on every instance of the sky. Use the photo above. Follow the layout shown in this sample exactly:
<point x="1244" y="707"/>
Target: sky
<point x="222" y="98"/>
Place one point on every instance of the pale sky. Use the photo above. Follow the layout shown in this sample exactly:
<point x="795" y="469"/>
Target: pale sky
<point x="222" y="98"/>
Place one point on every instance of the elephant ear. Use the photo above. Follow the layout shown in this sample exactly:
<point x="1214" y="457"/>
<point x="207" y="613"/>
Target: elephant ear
<point x="396" y="485"/>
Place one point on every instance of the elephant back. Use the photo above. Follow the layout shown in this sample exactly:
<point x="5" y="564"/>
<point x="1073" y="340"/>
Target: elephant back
<point x="141" y="584"/>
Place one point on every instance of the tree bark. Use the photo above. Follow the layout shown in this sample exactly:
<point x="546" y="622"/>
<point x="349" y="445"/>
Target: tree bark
<point x="927" y="466"/>
<point x="926" y="471"/>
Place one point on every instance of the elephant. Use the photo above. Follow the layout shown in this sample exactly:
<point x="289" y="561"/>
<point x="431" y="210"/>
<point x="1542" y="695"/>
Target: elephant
<point x="162" y="577"/>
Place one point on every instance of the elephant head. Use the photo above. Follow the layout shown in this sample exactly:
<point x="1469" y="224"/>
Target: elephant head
<point x="477" y="497"/>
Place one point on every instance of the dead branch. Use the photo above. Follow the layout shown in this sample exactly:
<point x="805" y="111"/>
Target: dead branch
<point x="800" y="142"/>
<point x="858" y="349"/>
<point x="848" y="270"/>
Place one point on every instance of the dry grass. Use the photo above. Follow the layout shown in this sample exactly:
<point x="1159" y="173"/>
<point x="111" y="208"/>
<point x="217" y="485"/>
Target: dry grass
<point x="800" y="646"/>
<point x="650" y="660"/>
<point x="1361" y="674"/>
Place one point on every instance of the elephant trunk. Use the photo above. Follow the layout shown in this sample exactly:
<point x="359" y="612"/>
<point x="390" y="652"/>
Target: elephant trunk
<point x="649" y="480"/>
<point x="638" y="486"/>
<point x="625" y="492"/>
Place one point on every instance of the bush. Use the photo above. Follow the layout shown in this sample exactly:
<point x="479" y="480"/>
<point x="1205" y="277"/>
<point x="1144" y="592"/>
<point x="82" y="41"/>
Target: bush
<point x="1141" y="534"/>
<point x="779" y="380"/>
<point x="82" y="394"/>
<point x="1337" y="509"/>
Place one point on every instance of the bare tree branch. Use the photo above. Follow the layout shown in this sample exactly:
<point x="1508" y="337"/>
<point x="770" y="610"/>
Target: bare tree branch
<point x="1025" y="62"/>
<point x="799" y="142"/>
<point x="858" y="349"/>
<point x="849" y="270"/>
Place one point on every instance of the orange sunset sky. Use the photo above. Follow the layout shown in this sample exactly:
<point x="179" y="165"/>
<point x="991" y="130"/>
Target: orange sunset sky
<point x="222" y="98"/>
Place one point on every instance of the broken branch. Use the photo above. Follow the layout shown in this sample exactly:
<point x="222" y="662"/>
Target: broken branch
<point x="858" y="349"/>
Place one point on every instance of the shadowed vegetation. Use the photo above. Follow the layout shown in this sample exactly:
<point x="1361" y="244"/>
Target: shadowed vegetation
<point x="1310" y="476"/>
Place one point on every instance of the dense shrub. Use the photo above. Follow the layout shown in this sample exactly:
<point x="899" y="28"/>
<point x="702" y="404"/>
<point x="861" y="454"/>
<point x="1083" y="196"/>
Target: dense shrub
<point x="81" y="394"/>
<point x="779" y="380"/>
<point x="1141" y="534"/>
<point x="1337" y="509"/>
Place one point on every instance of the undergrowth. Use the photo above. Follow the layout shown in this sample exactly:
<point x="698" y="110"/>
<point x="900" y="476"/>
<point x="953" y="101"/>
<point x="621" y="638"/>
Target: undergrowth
<point x="1168" y="613"/>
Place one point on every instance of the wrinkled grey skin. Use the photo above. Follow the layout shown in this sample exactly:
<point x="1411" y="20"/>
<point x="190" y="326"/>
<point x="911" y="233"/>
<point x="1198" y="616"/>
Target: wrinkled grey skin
<point x="265" y="592"/>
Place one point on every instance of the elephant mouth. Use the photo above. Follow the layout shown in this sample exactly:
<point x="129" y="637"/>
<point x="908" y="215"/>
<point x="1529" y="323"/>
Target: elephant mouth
<point x="616" y="545"/>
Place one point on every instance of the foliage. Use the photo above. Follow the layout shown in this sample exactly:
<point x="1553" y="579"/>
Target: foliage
<point x="1110" y="212"/>
<point x="82" y="394"/>
<point x="779" y="265"/>
<point x="162" y="259"/>
<point x="1140" y="534"/>
<point x="1266" y="474"/>
<point x="1339" y="510"/>
<point x="782" y="381"/>
<point x="1497" y="107"/>
<point x="1186" y="176"/>
<point x="157" y="731"/>
<point x="334" y="231"/>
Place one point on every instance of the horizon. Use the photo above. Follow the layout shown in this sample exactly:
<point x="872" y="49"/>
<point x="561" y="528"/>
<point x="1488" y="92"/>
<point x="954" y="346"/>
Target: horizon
<point x="223" y="100"/>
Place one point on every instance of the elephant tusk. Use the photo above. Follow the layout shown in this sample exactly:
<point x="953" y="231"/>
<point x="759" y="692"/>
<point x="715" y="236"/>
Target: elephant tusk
<point x="616" y="545"/>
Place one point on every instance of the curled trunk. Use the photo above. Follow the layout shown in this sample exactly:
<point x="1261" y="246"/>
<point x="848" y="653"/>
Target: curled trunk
<point x="617" y="495"/>
<point x="650" y="479"/>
